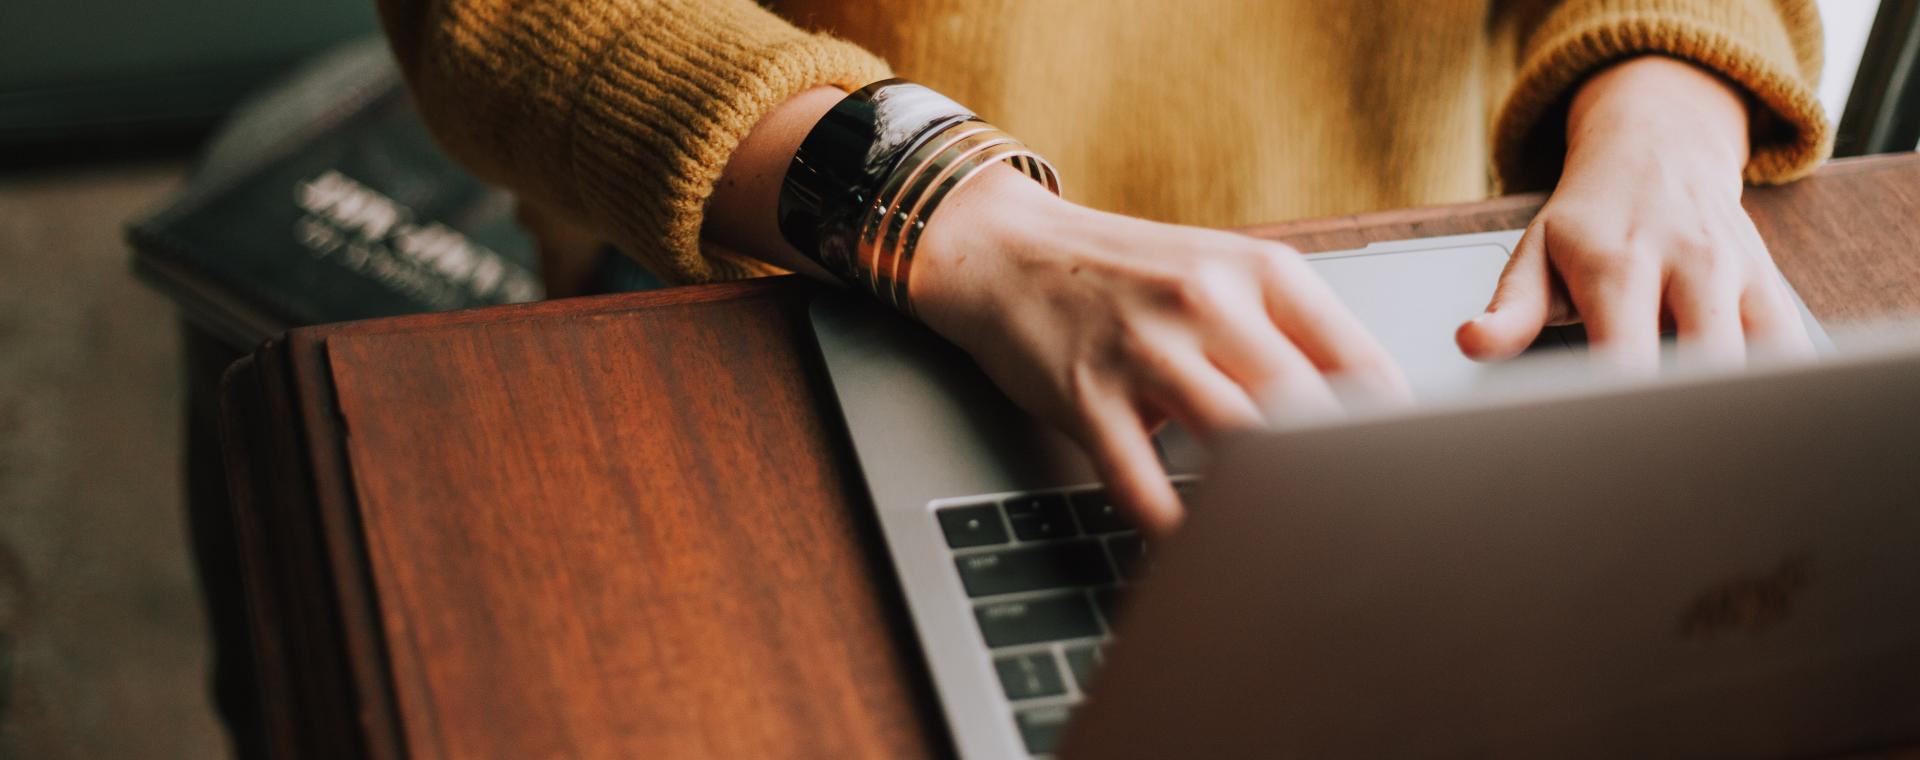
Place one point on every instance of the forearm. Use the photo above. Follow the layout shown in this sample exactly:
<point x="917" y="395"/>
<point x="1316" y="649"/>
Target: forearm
<point x="1657" y="99"/>
<point x="742" y="215"/>
<point x="618" y="114"/>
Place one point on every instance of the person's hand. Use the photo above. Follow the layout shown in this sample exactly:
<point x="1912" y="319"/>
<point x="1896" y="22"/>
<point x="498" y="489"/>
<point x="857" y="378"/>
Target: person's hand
<point x="1645" y="226"/>
<point x="1106" y="326"/>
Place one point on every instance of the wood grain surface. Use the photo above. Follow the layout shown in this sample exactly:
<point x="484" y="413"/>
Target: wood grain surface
<point x="630" y="526"/>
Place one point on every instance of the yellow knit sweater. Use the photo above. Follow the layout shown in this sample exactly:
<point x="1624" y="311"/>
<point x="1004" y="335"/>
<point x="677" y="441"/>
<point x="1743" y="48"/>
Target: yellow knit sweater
<point x="620" y="114"/>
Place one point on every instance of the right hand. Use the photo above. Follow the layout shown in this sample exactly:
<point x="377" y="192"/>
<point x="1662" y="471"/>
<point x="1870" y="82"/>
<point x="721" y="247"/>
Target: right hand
<point x="1106" y="326"/>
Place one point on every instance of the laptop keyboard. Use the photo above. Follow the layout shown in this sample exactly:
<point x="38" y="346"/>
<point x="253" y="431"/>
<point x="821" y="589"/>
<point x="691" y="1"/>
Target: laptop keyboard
<point x="1045" y="573"/>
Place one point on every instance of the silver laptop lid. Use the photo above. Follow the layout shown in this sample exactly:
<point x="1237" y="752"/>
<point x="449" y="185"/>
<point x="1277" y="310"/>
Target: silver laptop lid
<point x="1710" y="566"/>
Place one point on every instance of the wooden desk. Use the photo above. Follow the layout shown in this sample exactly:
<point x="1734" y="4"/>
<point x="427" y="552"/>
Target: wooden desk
<point x="631" y="526"/>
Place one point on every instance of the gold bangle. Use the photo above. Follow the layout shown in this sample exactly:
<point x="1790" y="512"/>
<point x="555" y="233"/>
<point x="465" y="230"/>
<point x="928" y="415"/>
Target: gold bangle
<point x="889" y="228"/>
<point x="915" y="221"/>
<point x="908" y="211"/>
<point x="885" y="202"/>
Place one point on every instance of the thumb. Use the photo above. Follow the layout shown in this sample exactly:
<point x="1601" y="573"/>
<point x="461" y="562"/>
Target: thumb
<point x="1520" y="305"/>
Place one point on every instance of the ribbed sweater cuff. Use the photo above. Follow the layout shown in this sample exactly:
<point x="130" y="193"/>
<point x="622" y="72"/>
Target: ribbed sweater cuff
<point x="1761" y="49"/>
<point x="667" y="106"/>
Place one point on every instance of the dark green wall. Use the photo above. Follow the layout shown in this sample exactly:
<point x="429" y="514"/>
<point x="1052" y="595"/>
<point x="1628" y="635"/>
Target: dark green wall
<point x="74" y="68"/>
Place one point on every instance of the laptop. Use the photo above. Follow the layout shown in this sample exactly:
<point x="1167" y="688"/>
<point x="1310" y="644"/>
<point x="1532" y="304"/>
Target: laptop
<point x="1462" y="579"/>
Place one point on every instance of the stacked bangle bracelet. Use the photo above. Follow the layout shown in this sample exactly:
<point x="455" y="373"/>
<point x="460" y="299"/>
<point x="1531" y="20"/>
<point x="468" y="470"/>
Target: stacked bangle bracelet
<point x="872" y="173"/>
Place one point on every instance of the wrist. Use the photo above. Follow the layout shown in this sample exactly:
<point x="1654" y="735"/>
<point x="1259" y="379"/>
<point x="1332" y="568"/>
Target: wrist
<point x="1661" y="106"/>
<point x="966" y="243"/>
<point x="874" y="172"/>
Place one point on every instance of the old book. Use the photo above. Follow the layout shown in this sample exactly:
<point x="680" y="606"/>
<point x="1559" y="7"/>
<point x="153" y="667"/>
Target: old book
<point x="325" y="200"/>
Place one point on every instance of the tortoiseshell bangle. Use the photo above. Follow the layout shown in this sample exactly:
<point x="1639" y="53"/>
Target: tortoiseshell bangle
<point x="844" y="160"/>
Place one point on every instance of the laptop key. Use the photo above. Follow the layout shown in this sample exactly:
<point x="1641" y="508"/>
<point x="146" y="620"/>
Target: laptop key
<point x="1039" y="517"/>
<point x="1097" y="513"/>
<point x="1026" y="676"/>
<point x="1040" y="727"/>
<point x="1008" y="624"/>
<point x="1072" y="564"/>
<point x="972" y="525"/>
<point x="1083" y="660"/>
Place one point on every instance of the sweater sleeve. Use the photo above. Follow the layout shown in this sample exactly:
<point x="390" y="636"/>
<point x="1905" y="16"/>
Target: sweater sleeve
<point x="1769" y="48"/>
<point x="618" y="113"/>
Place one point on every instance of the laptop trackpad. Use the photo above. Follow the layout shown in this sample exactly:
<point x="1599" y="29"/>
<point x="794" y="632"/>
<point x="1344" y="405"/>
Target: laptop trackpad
<point x="1414" y="300"/>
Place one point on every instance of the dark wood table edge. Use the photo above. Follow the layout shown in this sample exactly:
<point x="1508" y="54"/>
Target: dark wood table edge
<point x="321" y="659"/>
<point x="314" y="610"/>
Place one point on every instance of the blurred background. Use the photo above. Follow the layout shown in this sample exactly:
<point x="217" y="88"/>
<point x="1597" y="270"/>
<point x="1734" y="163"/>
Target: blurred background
<point x="143" y="146"/>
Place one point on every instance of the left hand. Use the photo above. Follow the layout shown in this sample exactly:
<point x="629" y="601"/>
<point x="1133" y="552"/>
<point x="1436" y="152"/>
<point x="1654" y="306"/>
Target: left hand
<point x="1646" y="226"/>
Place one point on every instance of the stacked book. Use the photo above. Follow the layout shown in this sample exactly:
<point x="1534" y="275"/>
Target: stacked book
<point x="325" y="200"/>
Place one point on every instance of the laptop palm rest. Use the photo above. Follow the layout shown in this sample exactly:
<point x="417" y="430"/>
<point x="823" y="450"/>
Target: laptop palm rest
<point x="917" y="404"/>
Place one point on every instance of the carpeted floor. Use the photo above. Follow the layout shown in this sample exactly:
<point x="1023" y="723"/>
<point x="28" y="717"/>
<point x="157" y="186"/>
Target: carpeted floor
<point x="102" y="651"/>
